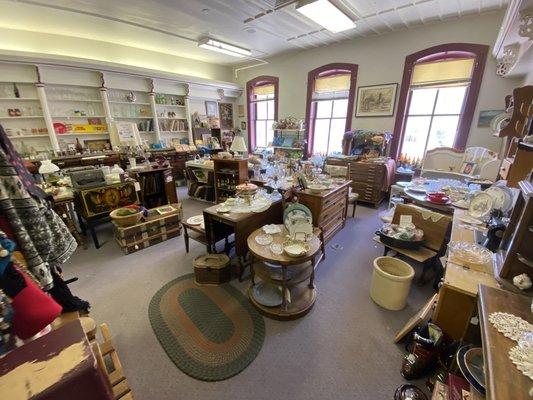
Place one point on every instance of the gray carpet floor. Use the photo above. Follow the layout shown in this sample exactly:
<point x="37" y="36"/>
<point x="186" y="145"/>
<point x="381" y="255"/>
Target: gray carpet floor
<point x="342" y="349"/>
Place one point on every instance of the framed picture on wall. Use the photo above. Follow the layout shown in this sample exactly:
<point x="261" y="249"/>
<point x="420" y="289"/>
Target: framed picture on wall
<point x="225" y="112"/>
<point x="211" y="108"/>
<point x="485" y="117"/>
<point x="243" y="125"/>
<point x="376" y="100"/>
<point x="240" y="111"/>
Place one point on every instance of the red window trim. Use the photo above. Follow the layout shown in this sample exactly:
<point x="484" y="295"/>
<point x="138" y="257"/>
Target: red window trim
<point x="259" y="81"/>
<point x="310" y="108"/>
<point x="441" y="52"/>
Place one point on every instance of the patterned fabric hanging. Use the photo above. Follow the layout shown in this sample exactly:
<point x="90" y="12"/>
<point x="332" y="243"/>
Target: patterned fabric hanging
<point x="41" y="235"/>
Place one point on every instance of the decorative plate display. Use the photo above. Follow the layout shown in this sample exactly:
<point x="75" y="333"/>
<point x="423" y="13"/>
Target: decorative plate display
<point x="481" y="205"/>
<point x="296" y="212"/>
<point x="267" y="294"/>
<point x="295" y="248"/>
<point x="502" y="197"/>
<point x="469" y="253"/>
<point x="196" y="220"/>
<point x="271" y="229"/>
<point x="263" y="239"/>
<point x="276" y="248"/>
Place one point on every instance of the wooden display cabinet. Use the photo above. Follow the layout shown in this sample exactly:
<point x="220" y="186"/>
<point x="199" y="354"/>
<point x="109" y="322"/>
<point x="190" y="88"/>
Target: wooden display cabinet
<point x="515" y="255"/>
<point x="158" y="187"/>
<point x="228" y="174"/>
<point x="518" y="164"/>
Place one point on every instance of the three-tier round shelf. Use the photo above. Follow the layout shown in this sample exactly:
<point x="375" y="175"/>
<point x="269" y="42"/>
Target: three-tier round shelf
<point x="295" y="276"/>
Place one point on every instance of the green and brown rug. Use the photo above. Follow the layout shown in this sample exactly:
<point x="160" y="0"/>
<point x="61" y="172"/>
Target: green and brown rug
<point x="210" y="332"/>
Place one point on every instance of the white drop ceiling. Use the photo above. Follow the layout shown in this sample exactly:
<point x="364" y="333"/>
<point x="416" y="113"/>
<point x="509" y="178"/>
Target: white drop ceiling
<point x="174" y="26"/>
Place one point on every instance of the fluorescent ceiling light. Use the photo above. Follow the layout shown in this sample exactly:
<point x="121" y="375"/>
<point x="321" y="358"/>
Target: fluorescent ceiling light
<point x="221" y="47"/>
<point x="326" y="14"/>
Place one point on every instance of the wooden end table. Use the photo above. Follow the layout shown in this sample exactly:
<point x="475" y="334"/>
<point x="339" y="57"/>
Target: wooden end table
<point x="302" y="297"/>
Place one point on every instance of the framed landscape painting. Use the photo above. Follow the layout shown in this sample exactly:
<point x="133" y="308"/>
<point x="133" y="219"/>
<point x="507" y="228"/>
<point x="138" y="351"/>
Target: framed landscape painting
<point x="376" y="101"/>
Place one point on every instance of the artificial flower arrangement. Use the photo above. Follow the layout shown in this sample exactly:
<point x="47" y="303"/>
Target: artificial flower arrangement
<point x="288" y="123"/>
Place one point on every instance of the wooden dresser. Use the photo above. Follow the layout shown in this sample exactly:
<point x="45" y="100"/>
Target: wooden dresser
<point x="367" y="179"/>
<point x="328" y="208"/>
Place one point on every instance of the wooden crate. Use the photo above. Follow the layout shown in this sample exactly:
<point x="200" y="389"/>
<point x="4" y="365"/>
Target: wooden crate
<point x="153" y="229"/>
<point x="212" y="269"/>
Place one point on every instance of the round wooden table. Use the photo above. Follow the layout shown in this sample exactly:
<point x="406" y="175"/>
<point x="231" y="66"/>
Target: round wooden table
<point x="298" y="299"/>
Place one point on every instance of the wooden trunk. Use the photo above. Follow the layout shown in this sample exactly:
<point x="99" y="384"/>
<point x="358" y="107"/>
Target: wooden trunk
<point x="154" y="229"/>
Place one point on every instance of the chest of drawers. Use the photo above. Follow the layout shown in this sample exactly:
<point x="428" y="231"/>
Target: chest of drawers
<point x="328" y="208"/>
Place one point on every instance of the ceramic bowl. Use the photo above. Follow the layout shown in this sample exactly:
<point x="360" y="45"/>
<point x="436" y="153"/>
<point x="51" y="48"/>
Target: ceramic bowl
<point x="295" y="248"/>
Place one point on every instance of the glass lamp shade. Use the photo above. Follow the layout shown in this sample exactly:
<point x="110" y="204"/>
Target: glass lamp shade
<point x="238" y="145"/>
<point x="48" y="167"/>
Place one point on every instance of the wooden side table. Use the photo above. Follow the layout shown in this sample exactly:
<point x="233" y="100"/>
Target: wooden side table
<point x="301" y="298"/>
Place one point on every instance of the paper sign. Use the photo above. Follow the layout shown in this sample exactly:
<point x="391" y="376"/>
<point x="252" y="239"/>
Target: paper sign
<point x="406" y="220"/>
<point x="126" y="131"/>
<point x="137" y="186"/>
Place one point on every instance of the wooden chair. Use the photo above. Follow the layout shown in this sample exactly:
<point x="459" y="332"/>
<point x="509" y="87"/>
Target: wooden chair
<point x="113" y="368"/>
<point x="436" y="229"/>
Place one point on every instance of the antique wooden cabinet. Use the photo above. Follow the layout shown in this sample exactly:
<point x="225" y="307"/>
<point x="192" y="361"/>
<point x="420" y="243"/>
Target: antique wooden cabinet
<point x="328" y="208"/>
<point x="368" y="179"/>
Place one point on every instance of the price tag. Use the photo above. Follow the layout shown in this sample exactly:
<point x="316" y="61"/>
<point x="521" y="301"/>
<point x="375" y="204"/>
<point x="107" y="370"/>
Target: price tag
<point x="137" y="186"/>
<point x="406" y="220"/>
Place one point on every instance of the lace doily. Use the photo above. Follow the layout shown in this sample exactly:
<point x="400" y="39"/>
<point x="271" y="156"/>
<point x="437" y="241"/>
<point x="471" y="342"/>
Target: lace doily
<point x="427" y="214"/>
<point x="510" y="325"/>
<point x="523" y="359"/>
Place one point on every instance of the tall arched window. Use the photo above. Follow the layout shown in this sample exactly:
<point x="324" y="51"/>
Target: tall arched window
<point x="439" y="92"/>
<point x="330" y="99"/>
<point x="262" y="103"/>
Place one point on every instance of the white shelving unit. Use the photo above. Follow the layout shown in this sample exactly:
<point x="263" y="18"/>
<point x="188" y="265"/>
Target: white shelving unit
<point x="22" y="117"/>
<point x="171" y="113"/>
<point x="77" y="97"/>
<point x="76" y="108"/>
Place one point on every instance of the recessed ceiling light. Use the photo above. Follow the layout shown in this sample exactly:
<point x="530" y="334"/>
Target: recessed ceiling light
<point x="205" y="10"/>
<point x="225" y="48"/>
<point x="250" y="30"/>
<point x="324" y="13"/>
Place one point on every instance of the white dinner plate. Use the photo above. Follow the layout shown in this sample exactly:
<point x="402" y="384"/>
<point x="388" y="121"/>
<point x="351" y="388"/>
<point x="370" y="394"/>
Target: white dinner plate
<point x="196" y="220"/>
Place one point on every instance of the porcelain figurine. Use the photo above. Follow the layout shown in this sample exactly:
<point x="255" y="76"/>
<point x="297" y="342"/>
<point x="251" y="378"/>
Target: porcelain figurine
<point x="522" y="281"/>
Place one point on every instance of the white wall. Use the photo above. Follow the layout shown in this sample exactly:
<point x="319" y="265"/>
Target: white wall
<point x="381" y="60"/>
<point x="67" y="48"/>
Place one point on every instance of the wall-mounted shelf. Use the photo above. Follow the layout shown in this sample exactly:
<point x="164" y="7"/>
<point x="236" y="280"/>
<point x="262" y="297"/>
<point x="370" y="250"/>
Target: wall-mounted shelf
<point x="28" y="136"/>
<point x="78" y="116"/>
<point x="24" y="117"/>
<point x="129" y="103"/>
<point x="19" y="99"/>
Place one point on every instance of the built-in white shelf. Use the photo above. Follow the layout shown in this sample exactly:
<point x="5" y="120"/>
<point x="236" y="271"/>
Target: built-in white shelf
<point x="170" y="105"/>
<point x="24" y="117"/>
<point x="78" y="116"/>
<point x="19" y="99"/>
<point x="116" y="117"/>
<point x="74" y="101"/>
<point x="129" y="103"/>
<point x="27" y="136"/>
<point x="174" y="131"/>
<point x="177" y="118"/>
<point x="82" y="134"/>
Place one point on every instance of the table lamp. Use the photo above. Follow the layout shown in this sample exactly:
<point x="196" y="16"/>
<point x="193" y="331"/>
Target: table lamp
<point x="238" y="146"/>
<point x="47" y="169"/>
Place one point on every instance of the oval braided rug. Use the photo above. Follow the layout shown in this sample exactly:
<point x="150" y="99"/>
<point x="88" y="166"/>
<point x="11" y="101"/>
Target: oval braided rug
<point x="210" y="332"/>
